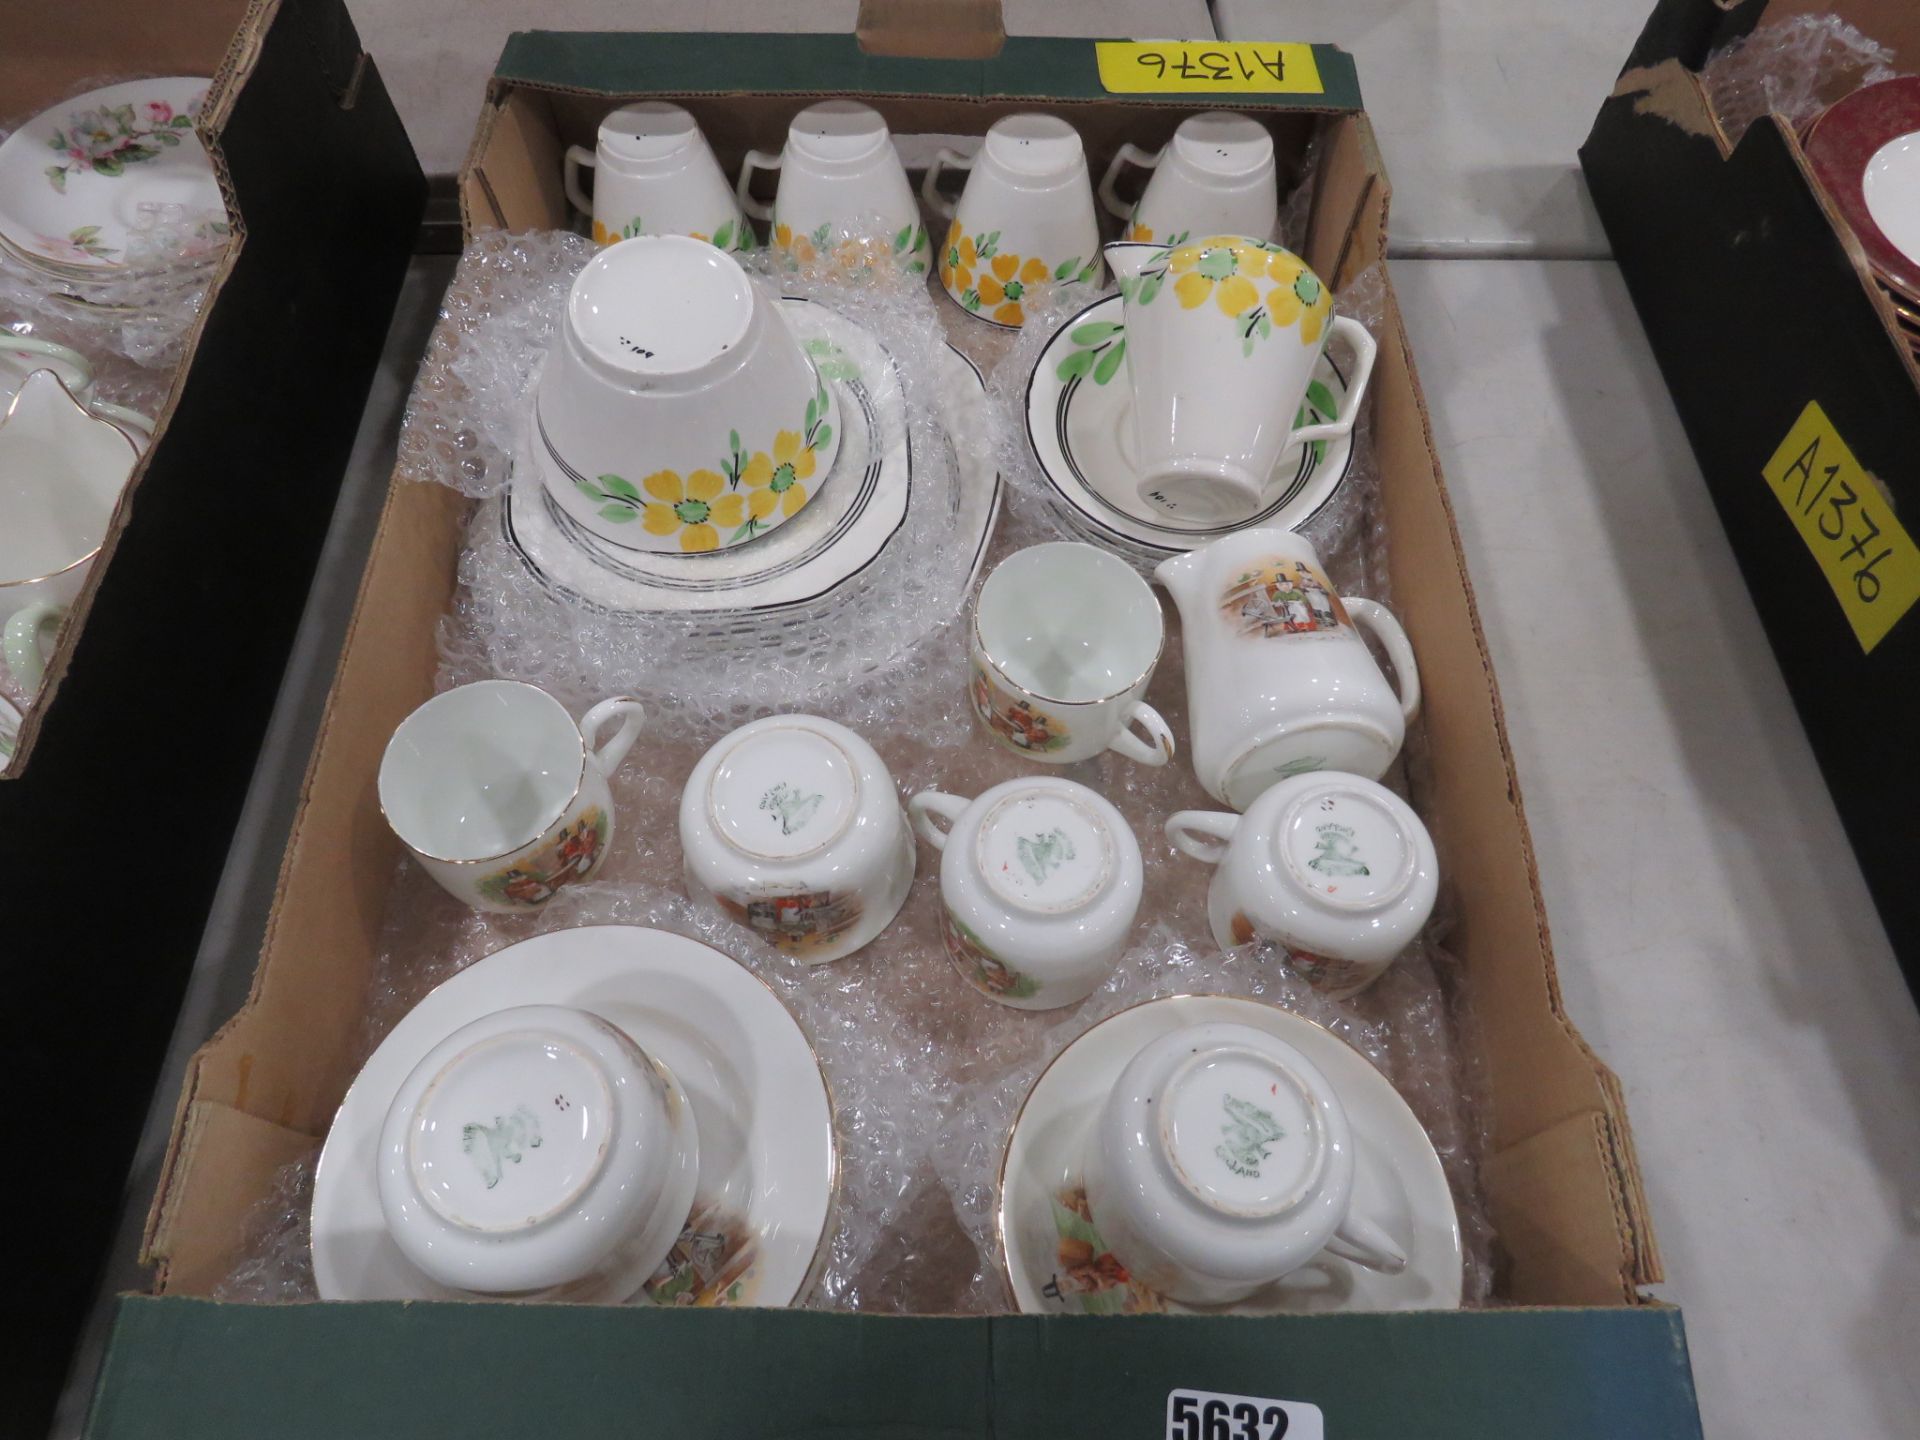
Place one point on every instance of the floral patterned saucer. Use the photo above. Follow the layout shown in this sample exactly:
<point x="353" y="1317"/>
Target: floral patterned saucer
<point x="856" y="510"/>
<point x="1056" y="1260"/>
<point x="768" y="1162"/>
<point x="78" y="182"/>
<point x="1078" y="405"/>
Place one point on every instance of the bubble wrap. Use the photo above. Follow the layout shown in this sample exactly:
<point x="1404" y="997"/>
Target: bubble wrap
<point x="926" y="1073"/>
<point x="1794" y="69"/>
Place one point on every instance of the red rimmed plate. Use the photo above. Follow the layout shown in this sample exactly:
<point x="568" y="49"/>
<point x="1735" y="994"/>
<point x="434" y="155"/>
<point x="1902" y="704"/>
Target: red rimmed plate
<point x="1866" y="151"/>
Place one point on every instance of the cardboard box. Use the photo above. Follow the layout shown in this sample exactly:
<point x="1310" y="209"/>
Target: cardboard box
<point x="1759" y="304"/>
<point x="1586" y="1356"/>
<point x="116" y="815"/>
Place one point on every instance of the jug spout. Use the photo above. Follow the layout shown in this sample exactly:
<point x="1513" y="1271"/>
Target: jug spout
<point x="1126" y="258"/>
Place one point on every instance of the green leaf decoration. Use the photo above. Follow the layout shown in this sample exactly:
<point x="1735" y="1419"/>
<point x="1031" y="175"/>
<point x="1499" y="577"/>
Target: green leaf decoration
<point x="824" y="438"/>
<point x="1109" y="365"/>
<point x="57" y="176"/>
<point x="1079" y="363"/>
<point x="181" y="122"/>
<point x="813" y="413"/>
<point x="615" y="485"/>
<point x="1095" y="332"/>
<point x="723" y="237"/>
<point x="1066" y="268"/>
<point x="587" y="488"/>
<point x="1149" y="288"/>
<point x="106" y="165"/>
<point x="916" y="267"/>
<point x="733" y="440"/>
<point x="903" y="239"/>
<point x="618" y="514"/>
<point x="821" y="236"/>
<point x="1321" y="399"/>
<point x="1072" y="1226"/>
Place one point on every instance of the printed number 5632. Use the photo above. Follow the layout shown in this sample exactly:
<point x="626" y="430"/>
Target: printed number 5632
<point x="1208" y="1415"/>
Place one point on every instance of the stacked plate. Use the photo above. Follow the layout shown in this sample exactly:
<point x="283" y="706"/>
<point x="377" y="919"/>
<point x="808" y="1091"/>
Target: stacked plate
<point x="810" y="566"/>
<point x="110" y="186"/>
<point x="1865" y="151"/>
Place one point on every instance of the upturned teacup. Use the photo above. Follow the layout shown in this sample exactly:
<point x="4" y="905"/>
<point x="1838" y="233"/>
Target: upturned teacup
<point x="678" y="411"/>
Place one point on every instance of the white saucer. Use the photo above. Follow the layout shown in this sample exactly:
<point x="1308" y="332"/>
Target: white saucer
<point x="1075" y="425"/>
<point x="1398" y="1179"/>
<point x="854" y="514"/>
<point x="760" y="1105"/>
<point x="74" y="216"/>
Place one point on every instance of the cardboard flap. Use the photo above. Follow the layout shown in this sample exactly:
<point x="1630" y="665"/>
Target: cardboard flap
<point x="932" y="29"/>
<point x="226" y="1161"/>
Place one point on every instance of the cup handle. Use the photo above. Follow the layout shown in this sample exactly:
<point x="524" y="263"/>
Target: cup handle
<point x="609" y="755"/>
<point x="30" y="637"/>
<point x="1203" y="834"/>
<point x="943" y="159"/>
<point x="34" y="345"/>
<point x="578" y="155"/>
<point x="1128" y="154"/>
<point x="928" y="805"/>
<point x="1364" y="350"/>
<point x="743" y="191"/>
<point x="1374" y="618"/>
<point x="1365" y="1243"/>
<point x="1157" y="748"/>
<point x="126" y="419"/>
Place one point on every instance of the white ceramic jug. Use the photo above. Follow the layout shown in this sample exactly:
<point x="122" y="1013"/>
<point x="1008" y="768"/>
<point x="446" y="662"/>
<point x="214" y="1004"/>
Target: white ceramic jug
<point x="1279" y="681"/>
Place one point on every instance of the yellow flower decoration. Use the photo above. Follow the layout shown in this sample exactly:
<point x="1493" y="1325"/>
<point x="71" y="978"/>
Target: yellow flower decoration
<point x="1221" y="269"/>
<point x="798" y="246"/>
<point x="957" y="260"/>
<point x="602" y="235"/>
<point x="1137" y="231"/>
<point x="775" y="483"/>
<point x="693" y="507"/>
<point x="1006" y="283"/>
<point x="1299" y="295"/>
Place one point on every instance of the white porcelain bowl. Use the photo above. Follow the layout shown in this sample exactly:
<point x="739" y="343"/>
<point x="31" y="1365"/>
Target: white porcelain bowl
<point x="538" y="1153"/>
<point x="793" y="827"/>
<point x="677" y="411"/>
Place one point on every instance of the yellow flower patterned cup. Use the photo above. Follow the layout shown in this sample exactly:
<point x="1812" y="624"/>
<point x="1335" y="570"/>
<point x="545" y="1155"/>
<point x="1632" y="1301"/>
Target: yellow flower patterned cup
<point x="1025" y="219"/>
<point x="1223" y="335"/>
<point x="677" y="411"/>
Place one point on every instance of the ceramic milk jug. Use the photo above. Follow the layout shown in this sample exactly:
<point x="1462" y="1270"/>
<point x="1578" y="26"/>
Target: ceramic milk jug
<point x="1279" y="681"/>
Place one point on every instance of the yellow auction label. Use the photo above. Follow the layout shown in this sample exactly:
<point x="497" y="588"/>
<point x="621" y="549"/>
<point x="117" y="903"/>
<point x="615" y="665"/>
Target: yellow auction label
<point x="1163" y="67"/>
<point x="1863" y="550"/>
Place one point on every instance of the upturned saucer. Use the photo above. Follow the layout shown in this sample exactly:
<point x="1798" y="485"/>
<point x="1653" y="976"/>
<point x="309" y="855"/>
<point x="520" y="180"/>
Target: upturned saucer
<point x="760" y="1104"/>
<point x="857" y="510"/>
<point x="1078" y="405"/>
<point x="75" y="180"/>
<point x="1056" y="1260"/>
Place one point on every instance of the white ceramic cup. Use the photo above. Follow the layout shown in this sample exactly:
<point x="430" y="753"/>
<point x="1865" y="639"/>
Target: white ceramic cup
<point x="538" y="1153"/>
<point x="678" y="411"/>
<point x="500" y="796"/>
<point x="793" y="827"/>
<point x="61" y="474"/>
<point x="1025" y="218"/>
<point x="1215" y="177"/>
<point x="1221" y="1161"/>
<point x="1335" y="871"/>
<point x="1065" y="641"/>
<point x="1223" y="335"/>
<point x="840" y="178"/>
<point x="1040" y="882"/>
<point x="1279" y="681"/>
<point x="654" y="174"/>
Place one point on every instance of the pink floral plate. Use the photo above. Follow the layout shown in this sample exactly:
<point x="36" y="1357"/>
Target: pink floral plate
<point x="112" y="180"/>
